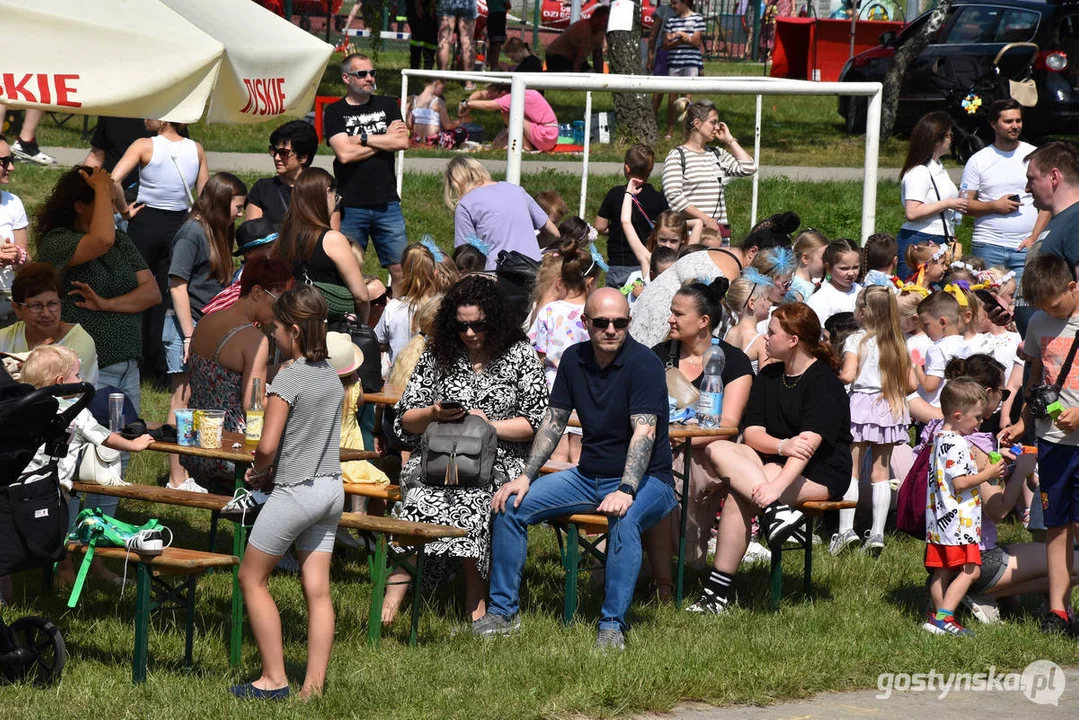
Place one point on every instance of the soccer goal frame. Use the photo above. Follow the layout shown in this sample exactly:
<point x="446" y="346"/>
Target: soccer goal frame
<point x="649" y="84"/>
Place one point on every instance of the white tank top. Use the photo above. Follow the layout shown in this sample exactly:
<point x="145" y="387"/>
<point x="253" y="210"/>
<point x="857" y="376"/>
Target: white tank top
<point x="168" y="181"/>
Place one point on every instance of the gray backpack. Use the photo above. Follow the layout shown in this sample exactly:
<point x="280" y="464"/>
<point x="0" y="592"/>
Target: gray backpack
<point x="459" y="454"/>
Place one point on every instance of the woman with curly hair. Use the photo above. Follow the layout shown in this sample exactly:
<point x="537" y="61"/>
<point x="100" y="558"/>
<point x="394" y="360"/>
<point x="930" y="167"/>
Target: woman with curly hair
<point x="478" y="362"/>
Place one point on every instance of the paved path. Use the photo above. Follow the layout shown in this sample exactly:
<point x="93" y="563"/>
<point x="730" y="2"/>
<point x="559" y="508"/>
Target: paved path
<point x="958" y="704"/>
<point x="260" y="162"/>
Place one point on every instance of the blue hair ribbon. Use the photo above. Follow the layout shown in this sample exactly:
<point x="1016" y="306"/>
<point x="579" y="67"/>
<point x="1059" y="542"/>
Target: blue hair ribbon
<point x="754" y="276"/>
<point x="478" y="244"/>
<point x="597" y="258"/>
<point x="785" y="262"/>
<point x="429" y="242"/>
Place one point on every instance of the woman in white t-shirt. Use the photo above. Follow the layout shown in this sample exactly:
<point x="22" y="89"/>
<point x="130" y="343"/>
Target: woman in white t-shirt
<point x="14" y="242"/>
<point x="928" y="193"/>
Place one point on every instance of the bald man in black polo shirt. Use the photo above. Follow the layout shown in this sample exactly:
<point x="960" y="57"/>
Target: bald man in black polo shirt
<point x="618" y="389"/>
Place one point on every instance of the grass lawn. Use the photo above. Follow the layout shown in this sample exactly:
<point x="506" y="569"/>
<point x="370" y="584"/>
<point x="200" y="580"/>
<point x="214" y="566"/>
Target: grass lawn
<point x="796" y="130"/>
<point x="863" y="619"/>
<point x="834" y="207"/>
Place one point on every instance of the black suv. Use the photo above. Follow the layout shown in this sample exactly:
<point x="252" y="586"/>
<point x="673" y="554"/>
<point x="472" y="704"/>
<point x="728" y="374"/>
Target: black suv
<point x="974" y="32"/>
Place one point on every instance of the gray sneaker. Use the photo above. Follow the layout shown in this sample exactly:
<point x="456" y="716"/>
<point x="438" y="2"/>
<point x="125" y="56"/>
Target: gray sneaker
<point x="983" y="607"/>
<point x="610" y="639"/>
<point x="874" y="544"/>
<point x="492" y="624"/>
<point x="841" y="541"/>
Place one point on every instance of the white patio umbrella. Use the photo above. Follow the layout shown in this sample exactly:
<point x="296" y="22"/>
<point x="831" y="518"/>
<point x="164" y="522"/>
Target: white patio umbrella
<point x="129" y="58"/>
<point x="158" y="59"/>
<point x="270" y="67"/>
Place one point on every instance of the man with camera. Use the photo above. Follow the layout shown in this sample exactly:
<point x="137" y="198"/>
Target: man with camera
<point x="618" y="389"/>
<point x="1052" y="401"/>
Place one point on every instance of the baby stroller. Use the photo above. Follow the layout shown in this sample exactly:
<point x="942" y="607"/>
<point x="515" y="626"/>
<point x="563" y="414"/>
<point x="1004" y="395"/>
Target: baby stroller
<point x="969" y="88"/>
<point x="33" y="516"/>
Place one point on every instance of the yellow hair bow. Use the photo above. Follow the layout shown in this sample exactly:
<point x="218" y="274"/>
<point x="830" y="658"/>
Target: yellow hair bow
<point x="911" y="287"/>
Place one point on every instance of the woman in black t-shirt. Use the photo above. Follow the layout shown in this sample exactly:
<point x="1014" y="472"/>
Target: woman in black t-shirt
<point x="797" y="446"/>
<point x="695" y="315"/>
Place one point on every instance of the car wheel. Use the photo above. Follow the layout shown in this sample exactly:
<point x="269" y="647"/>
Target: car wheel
<point x="857" y="108"/>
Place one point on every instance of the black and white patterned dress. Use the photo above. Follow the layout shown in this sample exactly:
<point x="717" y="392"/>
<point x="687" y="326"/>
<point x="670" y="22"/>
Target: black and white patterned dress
<point x="510" y="386"/>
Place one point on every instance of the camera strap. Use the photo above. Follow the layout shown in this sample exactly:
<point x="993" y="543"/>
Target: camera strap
<point x="1067" y="366"/>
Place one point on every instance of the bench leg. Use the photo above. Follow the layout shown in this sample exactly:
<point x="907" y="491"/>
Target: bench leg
<point x="236" y="634"/>
<point x="379" y="575"/>
<point x="678" y="585"/>
<point x="571" y="560"/>
<point x="214" y="517"/>
<point x="417" y="585"/>
<point x="142" y="623"/>
<point x="189" y="640"/>
<point x="777" y="577"/>
<point x="807" y="578"/>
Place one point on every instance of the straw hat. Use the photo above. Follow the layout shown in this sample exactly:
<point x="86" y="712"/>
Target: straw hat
<point x="345" y="357"/>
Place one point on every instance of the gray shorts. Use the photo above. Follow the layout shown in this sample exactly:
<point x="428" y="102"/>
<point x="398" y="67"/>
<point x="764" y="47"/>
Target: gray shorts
<point x="994" y="563"/>
<point x="306" y="513"/>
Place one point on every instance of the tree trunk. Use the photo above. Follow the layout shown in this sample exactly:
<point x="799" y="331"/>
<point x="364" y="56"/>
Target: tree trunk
<point x="907" y="52"/>
<point x="633" y="110"/>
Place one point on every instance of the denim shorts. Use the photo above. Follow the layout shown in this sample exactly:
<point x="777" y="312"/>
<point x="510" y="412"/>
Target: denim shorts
<point x="994" y="564"/>
<point x="385" y="224"/>
<point x="464" y="9"/>
<point x="172" y="337"/>
<point x="692" y="71"/>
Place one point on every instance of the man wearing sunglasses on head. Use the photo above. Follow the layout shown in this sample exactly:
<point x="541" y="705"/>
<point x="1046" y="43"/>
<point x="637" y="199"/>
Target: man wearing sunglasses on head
<point x="364" y="130"/>
<point x="617" y="387"/>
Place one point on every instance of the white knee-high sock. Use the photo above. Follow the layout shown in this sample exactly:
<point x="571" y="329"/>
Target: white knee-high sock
<point x="846" y="517"/>
<point x="882" y="499"/>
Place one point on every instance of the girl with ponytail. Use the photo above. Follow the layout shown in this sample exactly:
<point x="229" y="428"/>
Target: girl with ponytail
<point x="559" y="324"/>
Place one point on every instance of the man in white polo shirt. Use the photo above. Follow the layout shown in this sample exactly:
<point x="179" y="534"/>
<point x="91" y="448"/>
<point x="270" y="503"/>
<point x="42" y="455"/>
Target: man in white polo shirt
<point x="1006" y="222"/>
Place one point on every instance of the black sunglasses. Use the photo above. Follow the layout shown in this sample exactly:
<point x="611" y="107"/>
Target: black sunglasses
<point x="283" y="153"/>
<point x="361" y="74"/>
<point x="601" y="323"/>
<point x="1004" y="393"/>
<point x="6" y="161"/>
<point x="476" y="326"/>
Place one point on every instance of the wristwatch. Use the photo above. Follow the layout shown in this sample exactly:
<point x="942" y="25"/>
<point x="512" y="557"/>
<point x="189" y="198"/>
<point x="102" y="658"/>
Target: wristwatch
<point x="628" y="490"/>
<point x="363" y="139"/>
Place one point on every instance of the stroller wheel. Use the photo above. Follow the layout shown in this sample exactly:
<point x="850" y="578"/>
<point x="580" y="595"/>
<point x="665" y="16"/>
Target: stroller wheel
<point x="44" y="639"/>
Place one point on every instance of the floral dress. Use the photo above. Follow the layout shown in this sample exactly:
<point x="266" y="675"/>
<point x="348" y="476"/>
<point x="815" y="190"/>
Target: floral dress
<point x="511" y="385"/>
<point x="215" y="387"/>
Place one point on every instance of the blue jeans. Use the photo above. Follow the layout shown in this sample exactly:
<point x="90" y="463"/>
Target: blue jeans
<point x="382" y="223"/>
<point x="617" y="275"/>
<point x="997" y="255"/>
<point x="904" y="239"/>
<point x="567" y="492"/>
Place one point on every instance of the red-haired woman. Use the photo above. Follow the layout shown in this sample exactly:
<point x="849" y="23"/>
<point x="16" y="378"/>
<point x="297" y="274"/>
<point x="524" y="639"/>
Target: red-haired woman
<point x="796" y="431"/>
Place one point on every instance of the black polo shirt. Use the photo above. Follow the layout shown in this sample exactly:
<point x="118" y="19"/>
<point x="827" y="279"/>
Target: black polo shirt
<point x="604" y="399"/>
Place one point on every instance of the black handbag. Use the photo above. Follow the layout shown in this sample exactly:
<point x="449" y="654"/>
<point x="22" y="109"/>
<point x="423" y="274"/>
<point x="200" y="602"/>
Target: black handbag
<point x="459" y="454"/>
<point x="363" y="337"/>
<point x="517" y="268"/>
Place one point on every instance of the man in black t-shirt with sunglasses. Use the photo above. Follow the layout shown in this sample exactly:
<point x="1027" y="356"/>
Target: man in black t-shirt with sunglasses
<point x="364" y="130"/>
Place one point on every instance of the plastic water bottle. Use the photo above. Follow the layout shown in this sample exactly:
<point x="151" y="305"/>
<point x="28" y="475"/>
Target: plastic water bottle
<point x="710" y="406"/>
<point x="957" y="217"/>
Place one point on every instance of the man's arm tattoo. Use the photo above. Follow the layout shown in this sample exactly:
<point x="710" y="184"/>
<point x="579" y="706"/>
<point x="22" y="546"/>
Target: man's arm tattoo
<point x="547" y="437"/>
<point x="639" y="454"/>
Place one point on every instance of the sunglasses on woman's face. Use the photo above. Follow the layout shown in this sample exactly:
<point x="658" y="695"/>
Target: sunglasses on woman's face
<point x="476" y="326"/>
<point x="6" y="161"/>
<point x="1003" y="392"/>
<point x="601" y="323"/>
<point x="283" y="153"/>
